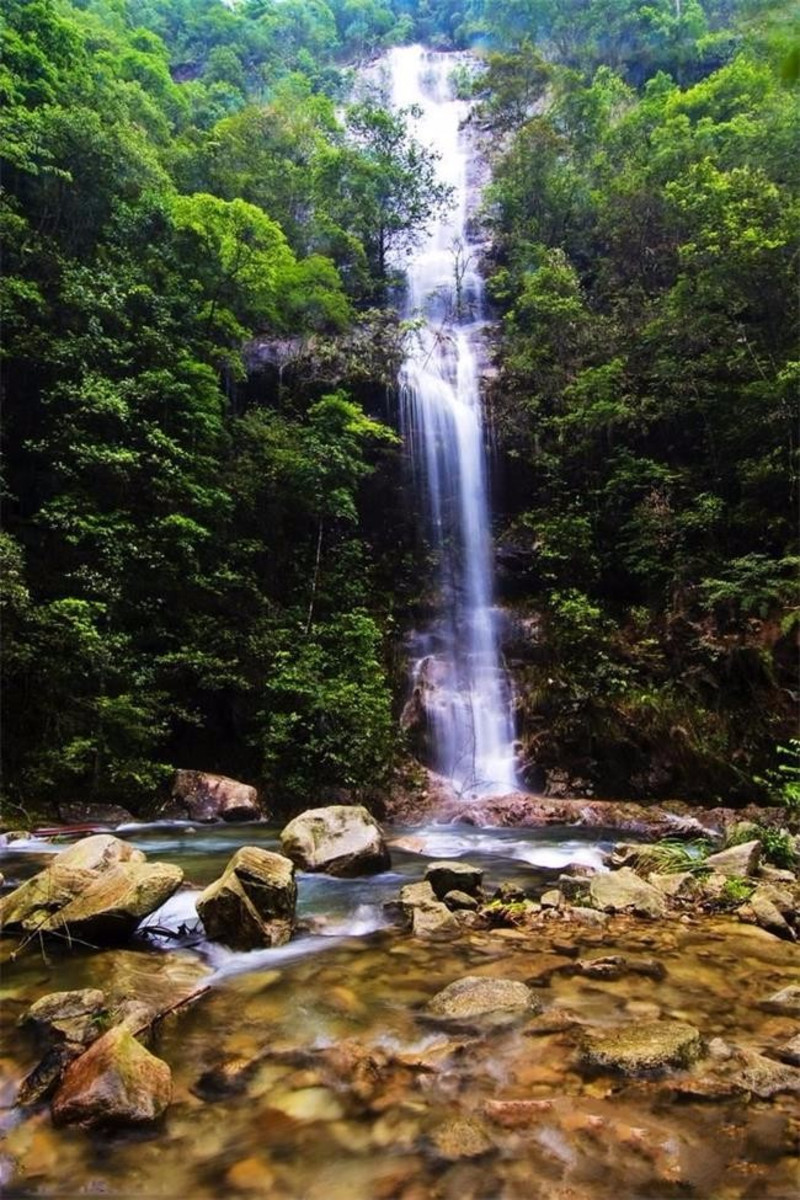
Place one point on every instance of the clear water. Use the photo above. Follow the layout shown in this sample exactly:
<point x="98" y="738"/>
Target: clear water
<point x="310" y="1123"/>
<point x="456" y="662"/>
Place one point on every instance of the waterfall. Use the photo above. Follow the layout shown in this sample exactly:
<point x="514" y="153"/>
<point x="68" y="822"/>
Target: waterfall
<point x="456" y="671"/>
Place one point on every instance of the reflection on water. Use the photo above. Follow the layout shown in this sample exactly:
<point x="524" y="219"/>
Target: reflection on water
<point x="350" y="1094"/>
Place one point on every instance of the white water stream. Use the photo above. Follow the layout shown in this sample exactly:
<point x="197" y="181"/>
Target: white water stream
<point x="456" y="662"/>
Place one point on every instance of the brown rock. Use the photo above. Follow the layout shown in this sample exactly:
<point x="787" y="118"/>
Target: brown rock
<point x="206" y="797"/>
<point x="67" y="1016"/>
<point x="253" y="902"/>
<point x="115" y="1082"/>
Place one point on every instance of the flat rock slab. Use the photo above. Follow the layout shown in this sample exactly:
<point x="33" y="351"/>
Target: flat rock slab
<point x="475" y="996"/>
<point x="647" y="1046"/>
<point x="111" y="907"/>
<point x="115" y="1082"/>
<point x="623" y="890"/>
<point x="342" y="839"/>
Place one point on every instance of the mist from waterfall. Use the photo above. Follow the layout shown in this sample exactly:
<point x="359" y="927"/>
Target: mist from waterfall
<point x="457" y="673"/>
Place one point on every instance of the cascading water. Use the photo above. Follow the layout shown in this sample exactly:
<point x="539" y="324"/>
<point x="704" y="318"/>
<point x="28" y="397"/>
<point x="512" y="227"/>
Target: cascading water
<point x="457" y="675"/>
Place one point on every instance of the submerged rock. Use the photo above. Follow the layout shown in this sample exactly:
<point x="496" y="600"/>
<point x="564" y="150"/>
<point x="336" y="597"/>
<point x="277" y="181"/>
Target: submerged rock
<point x="205" y="797"/>
<point x="786" y="1001"/>
<point x="647" y="1046"/>
<point x="789" y="1052"/>
<point x="737" y="861"/>
<point x="763" y="1077"/>
<point x="475" y="996"/>
<point x="617" y="891"/>
<point x="98" y="890"/>
<point x="342" y="839"/>
<point x="67" y="1016"/>
<point x="253" y="902"/>
<point x="447" y="877"/>
<point x="461" y="1137"/>
<point x="115" y="1082"/>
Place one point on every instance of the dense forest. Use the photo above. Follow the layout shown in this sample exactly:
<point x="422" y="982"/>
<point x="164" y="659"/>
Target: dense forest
<point x="210" y="554"/>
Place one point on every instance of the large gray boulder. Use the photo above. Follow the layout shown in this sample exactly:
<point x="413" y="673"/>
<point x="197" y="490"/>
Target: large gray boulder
<point x="624" y="890"/>
<point x="115" y="1082"/>
<point x="97" y="890"/>
<point x="342" y="839"/>
<point x="205" y="797"/>
<point x="253" y="902"/>
<point x="646" y="1046"/>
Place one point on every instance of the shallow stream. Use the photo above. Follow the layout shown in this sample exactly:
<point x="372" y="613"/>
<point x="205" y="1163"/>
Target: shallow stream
<point x="350" y="1093"/>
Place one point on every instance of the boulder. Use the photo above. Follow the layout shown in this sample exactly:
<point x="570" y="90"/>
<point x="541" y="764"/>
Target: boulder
<point x="113" y="904"/>
<point x="739" y="861"/>
<point x="81" y="813"/>
<point x="618" y="891"/>
<point x="67" y="1016"/>
<point x="646" y="1046"/>
<point x="115" y="1082"/>
<point x="100" y="888"/>
<point x="475" y="996"/>
<point x="205" y="797"/>
<point x="427" y="916"/>
<point x="447" y="877"/>
<point x="253" y="902"/>
<point x="342" y="839"/>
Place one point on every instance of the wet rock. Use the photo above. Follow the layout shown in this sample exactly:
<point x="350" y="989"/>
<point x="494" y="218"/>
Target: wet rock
<point x="475" y="996"/>
<point x="427" y="916"/>
<point x="461" y="1137"/>
<point x="587" y="916"/>
<point x="763" y="1077"/>
<point x="712" y="887"/>
<point x="646" y="1046"/>
<point x="39" y="1083"/>
<point x="341" y="839"/>
<point x="112" y="905"/>
<point x="115" y="1082"/>
<point x="228" y="1078"/>
<point x="790" y="1051"/>
<point x="618" y="891"/>
<point x="552" y="899"/>
<point x="253" y="902"/>
<point x="786" y="1001"/>
<point x="98" y="890"/>
<point x="460" y="902"/>
<point x="67" y="1016"/>
<point x="737" y="861"/>
<point x="615" y="966"/>
<point x="309" y="1104"/>
<point x="447" y="877"/>
<point x="205" y="797"/>
<point x="15" y="835"/>
<point x="98" y="852"/>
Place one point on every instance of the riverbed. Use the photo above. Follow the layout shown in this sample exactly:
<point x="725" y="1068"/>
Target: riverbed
<point x="312" y="1071"/>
